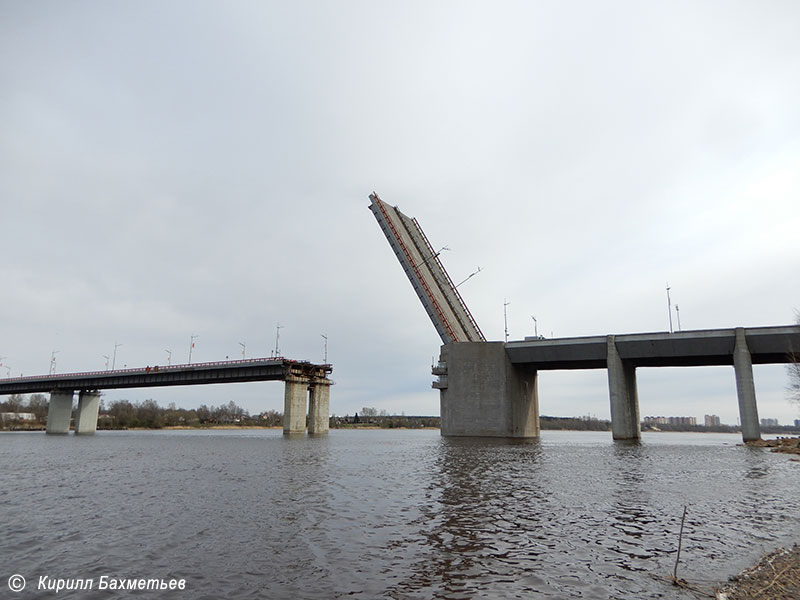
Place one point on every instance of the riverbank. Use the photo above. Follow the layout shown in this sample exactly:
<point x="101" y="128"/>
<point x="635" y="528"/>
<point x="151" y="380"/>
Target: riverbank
<point x="776" y="576"/>
<point x="784" y="445"/>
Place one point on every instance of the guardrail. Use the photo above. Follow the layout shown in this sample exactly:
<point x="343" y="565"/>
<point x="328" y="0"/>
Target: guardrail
<point x="154" y="369"/>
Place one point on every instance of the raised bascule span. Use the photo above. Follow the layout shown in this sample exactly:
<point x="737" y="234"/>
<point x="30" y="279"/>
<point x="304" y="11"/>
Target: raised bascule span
<point x="490" y="389"/>
<point x="428" y="277"/>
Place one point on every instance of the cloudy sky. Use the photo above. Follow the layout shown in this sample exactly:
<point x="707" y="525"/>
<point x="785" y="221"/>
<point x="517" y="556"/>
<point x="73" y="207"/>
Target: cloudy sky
<point x="203" y="167"/>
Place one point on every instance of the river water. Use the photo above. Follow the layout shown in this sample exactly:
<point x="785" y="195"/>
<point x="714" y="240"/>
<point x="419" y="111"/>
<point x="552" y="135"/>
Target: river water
<point x="387" y="514"/>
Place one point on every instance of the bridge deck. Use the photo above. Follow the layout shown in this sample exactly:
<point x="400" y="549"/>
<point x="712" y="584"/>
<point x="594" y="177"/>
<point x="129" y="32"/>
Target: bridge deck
<point x="233" y="371"/>
<point x="767" y="345"/>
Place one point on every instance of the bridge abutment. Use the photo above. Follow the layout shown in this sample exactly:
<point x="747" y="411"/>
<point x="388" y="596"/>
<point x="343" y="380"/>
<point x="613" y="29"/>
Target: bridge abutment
<point x="483" y="394"/>
<point x="294" y="404"/>
<point x="319" y="406"/>
<point x="623" y="395"/>
<point x="88" y="409"/>
<point x="59" y="412"/>
<point x="745" y="388"/>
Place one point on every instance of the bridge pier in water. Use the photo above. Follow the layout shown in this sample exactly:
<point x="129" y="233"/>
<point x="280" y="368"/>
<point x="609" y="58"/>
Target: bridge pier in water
<point x="298" y="390"/>
<point x="59" y="412"/>
<point x="483" y="394"/>
<point x="622" y="393"/>
<point x="745" y="388"/>
<point x="88" y="409"/>
<point x="319" y="399"/>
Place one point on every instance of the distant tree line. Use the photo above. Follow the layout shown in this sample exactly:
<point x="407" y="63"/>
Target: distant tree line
<point x="372" y="417"/>
<point x="574" y="423"/>
<point x="36" y="404"/>
<point x="123" y="414"/>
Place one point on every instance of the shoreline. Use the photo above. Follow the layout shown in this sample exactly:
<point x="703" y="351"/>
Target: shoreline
<point x="775" y="576"/>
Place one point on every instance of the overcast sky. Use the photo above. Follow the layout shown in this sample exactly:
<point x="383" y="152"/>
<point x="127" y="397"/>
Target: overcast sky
<point x="197" y="167"/>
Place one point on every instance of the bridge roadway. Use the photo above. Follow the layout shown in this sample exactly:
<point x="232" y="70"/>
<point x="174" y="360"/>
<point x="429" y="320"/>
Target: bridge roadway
<point x="767" y="345"/>
<point x="491" y="389"/>
<point x="300" y="377"/>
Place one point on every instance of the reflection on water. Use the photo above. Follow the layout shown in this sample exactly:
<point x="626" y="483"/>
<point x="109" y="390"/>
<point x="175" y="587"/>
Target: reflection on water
<point x="390" y="514"/>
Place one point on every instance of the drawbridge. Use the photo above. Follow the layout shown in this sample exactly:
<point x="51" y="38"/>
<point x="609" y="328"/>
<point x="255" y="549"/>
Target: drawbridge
<point x="436" y="291"/>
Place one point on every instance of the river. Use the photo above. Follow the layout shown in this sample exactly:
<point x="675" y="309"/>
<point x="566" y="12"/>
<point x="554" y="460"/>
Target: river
<point x="387" y="513"/>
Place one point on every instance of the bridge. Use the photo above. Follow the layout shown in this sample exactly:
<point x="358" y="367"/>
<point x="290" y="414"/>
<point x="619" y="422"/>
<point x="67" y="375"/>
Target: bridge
<point x="303" y="381"/>
<point x="491" y="388"/>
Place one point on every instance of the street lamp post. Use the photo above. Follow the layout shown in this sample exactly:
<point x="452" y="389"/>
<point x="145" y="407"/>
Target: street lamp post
<point x="191" y="345"/>
<point x="669" y="308"/>
<point x="277" y="340"/>
<point x="505" y="317"/>
<point x="114" y="359"/>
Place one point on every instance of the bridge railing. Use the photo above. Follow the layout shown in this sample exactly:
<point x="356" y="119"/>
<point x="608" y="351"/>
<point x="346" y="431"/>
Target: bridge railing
<point x="154" y="369"/>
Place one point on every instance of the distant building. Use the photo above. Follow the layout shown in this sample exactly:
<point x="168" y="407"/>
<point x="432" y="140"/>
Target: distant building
<point x="670" y="421"/>
<point x="797" y="422"/>
<point x="769" y="422"/>
<point x="655" y="420"/>
<point x="712" y="421"/>
<point x="7" y="417"/>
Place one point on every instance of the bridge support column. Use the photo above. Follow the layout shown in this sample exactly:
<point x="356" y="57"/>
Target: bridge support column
<point x="483" y="394"/>
<point x="623" y="395"/>
<point x="294" y="405"/>
<point x="88" y="408"/>
<point x="59" y="412"/>
<point x="745" y="388"/>
<point x="319" y="406"/>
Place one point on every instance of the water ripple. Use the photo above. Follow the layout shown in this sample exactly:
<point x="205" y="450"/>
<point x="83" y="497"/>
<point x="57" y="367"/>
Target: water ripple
<point x="401" y="515"/>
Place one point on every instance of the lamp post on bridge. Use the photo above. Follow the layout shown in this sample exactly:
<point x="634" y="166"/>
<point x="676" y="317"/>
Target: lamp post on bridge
<point x="191" y="345"/>
<point x="325" y="346"/>
<point x="669" y="308"/>
<point x="169" y="357"/>
<point x="277" y="340"/>
<point x="114" y="359"/>
<point x="244" y="347"/>
<point x="53" y="362"/>
<point x="505" y="317"/>
<point x="436" y="254"/>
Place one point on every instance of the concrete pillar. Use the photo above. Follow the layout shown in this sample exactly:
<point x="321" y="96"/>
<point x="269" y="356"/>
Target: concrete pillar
<point x="60" y="411"/>
<point x="319" y="406"/>
<point x="483" y="394"/>
<point x="525" y="402"/>
<point x="745" y="388"/>
<point x="88" y="407"/>
<point x="294" y="405"/>
<point x="623" y="395"/>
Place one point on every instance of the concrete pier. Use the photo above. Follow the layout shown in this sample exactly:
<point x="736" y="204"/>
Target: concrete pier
<point x="622" y="394"/>
<point x="60" y="411"/>
<point x="294" y="405"/>
<point x="745" y="388"/>
<point x="319" y="406"/>
<point x="483" y="394"/>
<point x="88" y="408"/>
